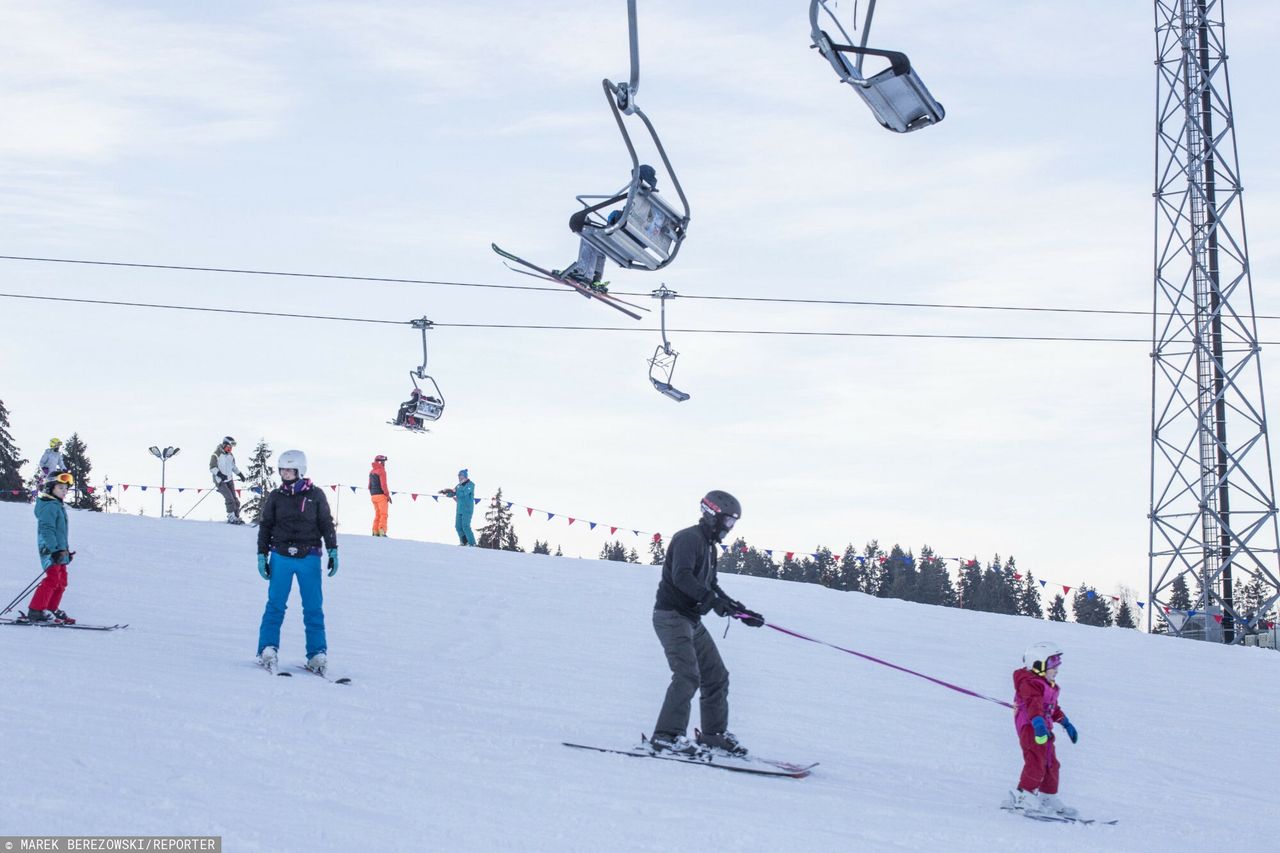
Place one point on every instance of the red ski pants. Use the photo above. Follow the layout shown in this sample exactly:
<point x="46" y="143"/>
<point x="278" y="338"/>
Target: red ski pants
<point x="1039" y="763"/>
<point x="49" y="594"/>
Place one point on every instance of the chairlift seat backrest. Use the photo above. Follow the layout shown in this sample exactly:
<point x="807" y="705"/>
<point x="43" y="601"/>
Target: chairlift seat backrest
<point x="897" y="96"/>
<point x="647" y="239"/>
<point x="428" y="410"/>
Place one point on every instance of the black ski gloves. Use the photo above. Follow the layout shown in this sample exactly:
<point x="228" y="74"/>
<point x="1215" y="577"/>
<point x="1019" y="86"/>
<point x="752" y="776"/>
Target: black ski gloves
<point x="62" y="557"/>
<point x="751" y="618"/>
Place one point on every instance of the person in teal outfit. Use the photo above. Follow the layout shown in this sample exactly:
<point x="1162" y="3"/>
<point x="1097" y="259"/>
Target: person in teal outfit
<point x="465" y="496"/>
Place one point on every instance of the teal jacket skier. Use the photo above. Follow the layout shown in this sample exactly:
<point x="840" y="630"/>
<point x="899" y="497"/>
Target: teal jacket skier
<point x="464" y="495"/>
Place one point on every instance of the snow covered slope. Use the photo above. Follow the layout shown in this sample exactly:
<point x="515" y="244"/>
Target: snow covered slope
<point x="472" y="666"/>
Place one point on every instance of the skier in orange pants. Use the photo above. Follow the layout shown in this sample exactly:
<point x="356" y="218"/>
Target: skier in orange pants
<point x="380" y="494"/>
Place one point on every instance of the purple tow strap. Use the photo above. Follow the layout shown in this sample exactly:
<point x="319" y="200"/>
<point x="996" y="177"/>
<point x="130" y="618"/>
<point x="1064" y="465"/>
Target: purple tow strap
<point x="966" y="691"/>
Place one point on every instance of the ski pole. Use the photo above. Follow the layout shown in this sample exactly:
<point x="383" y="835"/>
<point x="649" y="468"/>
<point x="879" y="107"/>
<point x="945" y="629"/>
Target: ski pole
<point x="197" y="503"/>
<point x="22" y="594"/>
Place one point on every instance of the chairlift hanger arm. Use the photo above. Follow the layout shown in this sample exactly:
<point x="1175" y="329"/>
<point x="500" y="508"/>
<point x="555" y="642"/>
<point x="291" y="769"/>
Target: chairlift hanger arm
<point x="612" y="95"/>
<point x="423" y="324"/>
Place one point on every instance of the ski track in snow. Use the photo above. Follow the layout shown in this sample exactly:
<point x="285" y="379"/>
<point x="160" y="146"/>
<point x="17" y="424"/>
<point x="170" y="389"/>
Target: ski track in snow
<point x="472" y="666"/>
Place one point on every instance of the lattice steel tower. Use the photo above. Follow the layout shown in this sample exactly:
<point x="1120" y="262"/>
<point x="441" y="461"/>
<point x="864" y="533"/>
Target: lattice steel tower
<point x="1213" y="510"/>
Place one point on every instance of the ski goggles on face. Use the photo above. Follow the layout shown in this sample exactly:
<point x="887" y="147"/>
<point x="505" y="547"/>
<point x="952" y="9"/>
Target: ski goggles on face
<point x="64" y="478"/>
<point x="1053" y="662"/>
<point x="728" y="522"/>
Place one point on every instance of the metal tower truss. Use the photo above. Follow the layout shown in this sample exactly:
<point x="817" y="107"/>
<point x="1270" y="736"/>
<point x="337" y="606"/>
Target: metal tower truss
<point x="1213" y="510"/>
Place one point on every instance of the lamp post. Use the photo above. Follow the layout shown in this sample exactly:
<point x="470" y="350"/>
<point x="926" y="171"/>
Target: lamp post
<point x="163" y="456"/>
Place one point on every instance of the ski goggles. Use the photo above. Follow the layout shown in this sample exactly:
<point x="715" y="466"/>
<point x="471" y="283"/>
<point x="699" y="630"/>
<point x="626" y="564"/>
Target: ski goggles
<point x="1053" y="662"/>
<point x="65" y="478"/>
<point x="728" y="521"/>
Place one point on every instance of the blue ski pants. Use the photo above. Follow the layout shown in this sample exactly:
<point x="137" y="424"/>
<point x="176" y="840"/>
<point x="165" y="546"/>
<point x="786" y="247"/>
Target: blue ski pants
<point x="283" y="570"/>
<point x="463" y="526"/>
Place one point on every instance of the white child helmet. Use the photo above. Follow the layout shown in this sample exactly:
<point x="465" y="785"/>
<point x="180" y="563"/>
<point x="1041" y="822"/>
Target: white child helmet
<point x="294" y="459"/>
<point x="1037" y="656"/>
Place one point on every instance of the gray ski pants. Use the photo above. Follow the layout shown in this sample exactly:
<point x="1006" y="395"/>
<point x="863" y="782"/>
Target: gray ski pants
<point x="228" y="491"/>
<point x="695" y="665"/>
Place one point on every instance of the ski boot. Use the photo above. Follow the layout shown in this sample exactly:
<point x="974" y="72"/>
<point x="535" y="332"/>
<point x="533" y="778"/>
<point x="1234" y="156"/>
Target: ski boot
<point x="60" y="617"/>
<point x="318" y="663"/>
<point x="34" y="616"/>
<point x="1027" y="802"/>
<point x="268" y="659"/>
<point x="724" y="743"/>
<point x="665" y="744"/>
<point x="1050" y="804"/>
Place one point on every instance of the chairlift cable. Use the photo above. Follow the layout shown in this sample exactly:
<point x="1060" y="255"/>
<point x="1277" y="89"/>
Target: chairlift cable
<point x="566" y="328"/>
<point x="865" y="303"/>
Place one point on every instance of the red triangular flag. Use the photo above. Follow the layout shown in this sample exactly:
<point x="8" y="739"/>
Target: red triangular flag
<point x="413" y="495"/>
<point x="335" y="488"/>
<point x="124" y="487"/>
<point x="1066" y="589"/>
<point x="162" y="488"/>
<point x="789" y="554"/>
<point x="529" y="510"/>
<point x="1217" y="617"/>
<point x="1017" y="576"/>
<point x="238" y="492"/>
<point x="612" y="530"/>
<point x="571" y="521"/>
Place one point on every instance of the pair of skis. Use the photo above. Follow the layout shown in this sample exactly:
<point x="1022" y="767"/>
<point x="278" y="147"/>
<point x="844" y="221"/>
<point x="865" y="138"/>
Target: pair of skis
<point x="78" y="626"/>
<point x="601" y="295"/>
<point x="275" y="671"/>
<point x="1045" y="817"/>
<point x="745" y="764"/>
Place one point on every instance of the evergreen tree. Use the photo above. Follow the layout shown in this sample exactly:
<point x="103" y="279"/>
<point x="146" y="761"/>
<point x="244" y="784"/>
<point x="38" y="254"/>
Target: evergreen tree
<point x="1029" y="599"/>
<point x="1058" y="610"/>
<point x="827" y="568"/>
<point x="853" y="572"/>
<point x="76" y="454"/>
<point x="540" y="547"/>
<point x="633" y="556"/>
<point x="615" y="551"/>
<point x="498" y="533"/>
<point x="1124" y="616"/>
<point x="1179" y="595"/>
<point x="558" y="552"/>
<point x="970" y="581"/>
<point x="657" y="551"/>
<point x="1089" y="607"/>
<point x="260" y="481"/>
<point x="900" y="575"/>
<point x="10" y="464"/>
<point x="872" y="575"/>
<point x="934" y="584"/>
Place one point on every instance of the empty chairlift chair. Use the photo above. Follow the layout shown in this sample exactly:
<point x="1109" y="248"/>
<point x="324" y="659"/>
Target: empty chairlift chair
<point x="897" y="96"/>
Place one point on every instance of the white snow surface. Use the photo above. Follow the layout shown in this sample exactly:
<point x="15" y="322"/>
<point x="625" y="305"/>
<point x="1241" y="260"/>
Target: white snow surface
<point x="472" y="666"/>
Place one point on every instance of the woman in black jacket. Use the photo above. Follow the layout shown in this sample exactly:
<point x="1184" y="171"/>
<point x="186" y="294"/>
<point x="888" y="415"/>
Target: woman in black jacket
<point x="295" y="524"/>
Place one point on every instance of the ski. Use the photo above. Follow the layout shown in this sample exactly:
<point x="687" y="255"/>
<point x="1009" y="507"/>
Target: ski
<point x="343" y="680"/>
<point x="538" y="272"/>
<point x="1057" y="818"/>
<point x="77" y="626"/>
<point x="707" y="760"/>
<point x="772" y="762"/>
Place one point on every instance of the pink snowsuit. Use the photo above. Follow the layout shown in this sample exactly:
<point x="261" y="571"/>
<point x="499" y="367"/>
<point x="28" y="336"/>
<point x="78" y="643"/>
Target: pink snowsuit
<point x="1036" y="696"/>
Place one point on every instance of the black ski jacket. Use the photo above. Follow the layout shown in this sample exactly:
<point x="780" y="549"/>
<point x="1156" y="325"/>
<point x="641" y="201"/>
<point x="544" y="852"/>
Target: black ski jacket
<point x="297" y="520"/>
<point x="688" y="583"/>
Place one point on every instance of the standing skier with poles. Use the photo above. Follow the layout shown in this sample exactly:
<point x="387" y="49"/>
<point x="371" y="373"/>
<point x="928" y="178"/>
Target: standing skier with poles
<point x="223" y="469"/>
<point x="295" y="520"/>
<point x="55" y="553"/>
<point x="687" y="592"/>
<point x="465" y="497"/>
<point x="380" y="494"/>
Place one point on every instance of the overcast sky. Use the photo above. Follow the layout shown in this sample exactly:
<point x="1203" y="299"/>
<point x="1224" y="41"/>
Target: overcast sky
<point x="400" y="139"/>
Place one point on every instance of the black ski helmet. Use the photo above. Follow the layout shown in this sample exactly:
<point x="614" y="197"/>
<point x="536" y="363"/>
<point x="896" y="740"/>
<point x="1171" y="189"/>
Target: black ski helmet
<point x="721" y="510"/>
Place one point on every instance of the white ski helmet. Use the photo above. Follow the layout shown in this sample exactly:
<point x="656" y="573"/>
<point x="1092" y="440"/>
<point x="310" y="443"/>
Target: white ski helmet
<point x="294" y="459"/>
<point x="1037" y="656"/>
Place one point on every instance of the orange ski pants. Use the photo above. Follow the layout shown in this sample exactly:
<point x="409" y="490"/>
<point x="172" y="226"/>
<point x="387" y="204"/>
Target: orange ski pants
<point x="380" y="514"/>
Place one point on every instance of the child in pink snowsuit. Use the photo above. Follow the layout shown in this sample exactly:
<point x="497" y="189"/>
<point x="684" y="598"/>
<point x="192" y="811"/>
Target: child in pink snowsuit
<point x="1035" y="711"/>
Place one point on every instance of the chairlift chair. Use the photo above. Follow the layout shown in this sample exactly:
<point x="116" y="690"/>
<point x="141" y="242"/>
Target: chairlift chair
<point x="897" y="96"/>
<point x="634" y="227"/>
<point x="428" y="404"/>
<point x="663" y="364"/>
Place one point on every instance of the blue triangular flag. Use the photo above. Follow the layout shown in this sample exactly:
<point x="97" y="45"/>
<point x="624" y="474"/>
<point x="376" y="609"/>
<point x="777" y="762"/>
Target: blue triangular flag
<point x="550" y="516"/>
<point x="591" y="524"/>
<point x="353" y="490"/>
<point x="1142" y="604"/>
<point x="435" y="498"/>
<point x="508" y="504"/>
<point x="477" y="500"/>
<point x="144" y="488"/>
<point x="1090" y="594"/>
<point x="1042" y="583"/>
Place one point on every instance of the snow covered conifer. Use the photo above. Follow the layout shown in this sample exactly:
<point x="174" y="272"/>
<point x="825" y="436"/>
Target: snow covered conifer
<point x="76" y="454"/>
<point x="1058" y="609"/>
<point x="499" y="532"/>
<point x="260" y="479"/>
<point x="10" y="463"/>
<point x="657" y="551"/>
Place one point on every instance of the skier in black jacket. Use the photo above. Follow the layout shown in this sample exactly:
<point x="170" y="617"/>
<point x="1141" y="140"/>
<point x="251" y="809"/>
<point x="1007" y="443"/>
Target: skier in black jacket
<point x="295" y="524"/>
<point x="688" y="591"/>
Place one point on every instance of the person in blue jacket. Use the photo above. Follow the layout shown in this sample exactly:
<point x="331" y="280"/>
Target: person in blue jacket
<point x="465" y="496"/>
<point x="55" y="552"/>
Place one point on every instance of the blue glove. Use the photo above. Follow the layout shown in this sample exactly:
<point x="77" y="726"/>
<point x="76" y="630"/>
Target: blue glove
<point x="264" y="568"/>
<point x="1071" y="730"/>
<point x="333" y="561"/>
<point x="1041" y="729"/>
